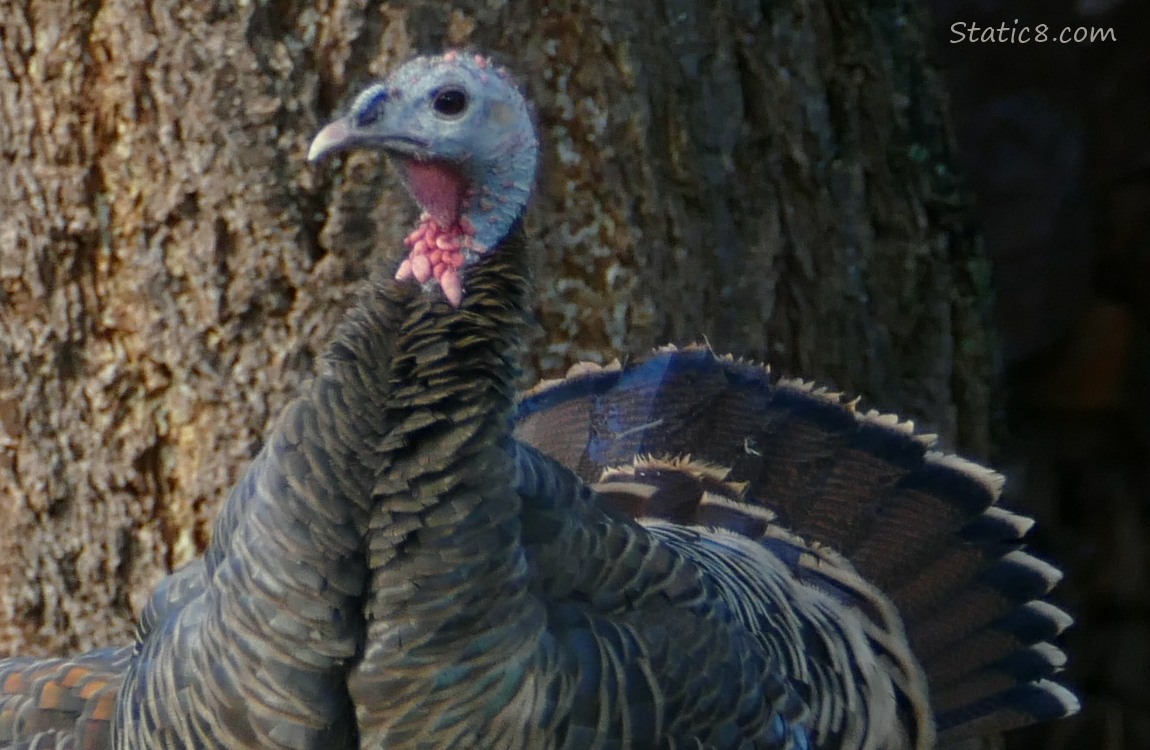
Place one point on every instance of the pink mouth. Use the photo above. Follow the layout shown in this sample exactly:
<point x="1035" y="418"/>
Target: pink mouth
<point x="438" y="243"/>
<point x="437" y="188"/>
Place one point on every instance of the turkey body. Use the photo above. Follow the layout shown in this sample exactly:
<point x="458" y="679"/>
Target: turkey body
<point x="685" y="552"/>
<point x="681" y="553"/>
<point x="677" y="553"/>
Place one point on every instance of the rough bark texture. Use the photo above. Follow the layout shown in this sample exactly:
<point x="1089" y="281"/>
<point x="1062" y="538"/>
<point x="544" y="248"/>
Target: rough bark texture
<point x="775" y="177"/>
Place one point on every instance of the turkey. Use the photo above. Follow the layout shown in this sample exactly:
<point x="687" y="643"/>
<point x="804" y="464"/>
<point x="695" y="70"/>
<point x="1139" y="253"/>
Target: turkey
<point x="511" y="603"/>
<point x="460" y="650"/>
<point x="680" y="553"/>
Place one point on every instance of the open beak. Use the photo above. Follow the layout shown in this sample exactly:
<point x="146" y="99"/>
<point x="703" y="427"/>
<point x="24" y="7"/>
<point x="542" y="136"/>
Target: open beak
<point x="335" y="136"/>
<point x="343" y="135"/>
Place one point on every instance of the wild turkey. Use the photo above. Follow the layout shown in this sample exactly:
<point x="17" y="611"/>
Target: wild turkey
<point x="459" y="651"/>
<point x="511" y="605"/>
<point x="652" y="636"/>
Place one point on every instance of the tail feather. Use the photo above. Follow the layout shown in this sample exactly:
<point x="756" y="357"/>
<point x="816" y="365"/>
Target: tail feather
<point x="989" y="649"/>
<point x="980" y="599"/>
<point x="1039" y="662"/>
<point x="1020" y="705"/>
<point x="804" y="464"/>
<point x="917" y="521"/>
<point x="555" y="416"/>
<point x="786" y="461"/>
<point x="1010" y="645"/>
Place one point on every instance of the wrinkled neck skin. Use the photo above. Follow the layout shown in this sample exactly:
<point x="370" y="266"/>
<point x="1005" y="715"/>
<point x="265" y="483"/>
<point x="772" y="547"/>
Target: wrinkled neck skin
<point x="448" y="575"/>
<point x="469" y="205"/>
<point x="506" y="185"/>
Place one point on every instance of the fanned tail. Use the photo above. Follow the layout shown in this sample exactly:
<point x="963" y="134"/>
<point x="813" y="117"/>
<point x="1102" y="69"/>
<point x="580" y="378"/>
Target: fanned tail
<point x="688" y="437"/>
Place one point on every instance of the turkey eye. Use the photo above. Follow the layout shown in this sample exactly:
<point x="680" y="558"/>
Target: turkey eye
<point x="450" y="102"/>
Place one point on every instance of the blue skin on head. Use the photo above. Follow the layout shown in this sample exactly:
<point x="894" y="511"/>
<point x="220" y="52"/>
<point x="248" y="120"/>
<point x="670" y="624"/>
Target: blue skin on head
<point x="463" y="138"/>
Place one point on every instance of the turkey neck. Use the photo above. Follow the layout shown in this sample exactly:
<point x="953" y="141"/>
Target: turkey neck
<point x="332" y="428"/>
<point x="442" y="502"/>
<point x="312" y="481"/>
<point x="448" y="576"/>
<point x="259" y="657"/>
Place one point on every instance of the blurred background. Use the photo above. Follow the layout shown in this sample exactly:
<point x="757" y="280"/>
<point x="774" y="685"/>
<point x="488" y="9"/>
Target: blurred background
<point x="1055" y="142"/>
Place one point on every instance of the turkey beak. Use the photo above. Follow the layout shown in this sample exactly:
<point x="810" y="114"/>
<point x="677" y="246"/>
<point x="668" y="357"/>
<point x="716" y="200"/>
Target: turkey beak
<point x="335" y="136"/>
<point x="344" y="135"/>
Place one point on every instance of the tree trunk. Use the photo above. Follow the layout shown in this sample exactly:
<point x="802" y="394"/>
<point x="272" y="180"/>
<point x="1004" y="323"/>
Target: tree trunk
<point x="773" y="177"/>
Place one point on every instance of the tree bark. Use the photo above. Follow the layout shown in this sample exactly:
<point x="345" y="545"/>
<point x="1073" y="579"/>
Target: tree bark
<point x="775" y="178"/>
